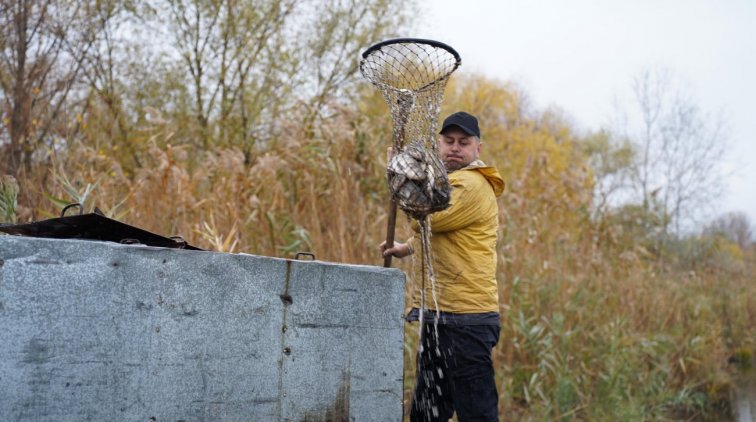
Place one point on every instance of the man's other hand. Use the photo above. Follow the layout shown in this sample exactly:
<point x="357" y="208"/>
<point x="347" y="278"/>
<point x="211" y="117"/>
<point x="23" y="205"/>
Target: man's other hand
<point x="399" y="250"/>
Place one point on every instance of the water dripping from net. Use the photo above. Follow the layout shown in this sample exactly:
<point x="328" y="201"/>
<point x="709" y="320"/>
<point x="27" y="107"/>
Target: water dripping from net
<point x="427" y="260"/>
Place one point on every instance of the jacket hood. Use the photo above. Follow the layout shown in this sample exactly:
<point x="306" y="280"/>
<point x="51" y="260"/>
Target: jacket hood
<point x="490" y="173"/>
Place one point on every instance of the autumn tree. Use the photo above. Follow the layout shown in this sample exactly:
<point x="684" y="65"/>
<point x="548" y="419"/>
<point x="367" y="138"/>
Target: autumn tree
<point x="43" y="45"/>
<point x="678" y="149"/>
<point x="247" y="67"/>
<point x="102" y="73"/>
<point x="735" y="226"/>
<point x="609" y="160"/>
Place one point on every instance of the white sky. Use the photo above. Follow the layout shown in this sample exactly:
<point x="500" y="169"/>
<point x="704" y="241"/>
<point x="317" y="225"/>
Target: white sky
<point x="582" y="54"/>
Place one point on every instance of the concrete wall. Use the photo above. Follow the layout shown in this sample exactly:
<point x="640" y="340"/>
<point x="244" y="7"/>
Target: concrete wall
<point x="101" y="331"/>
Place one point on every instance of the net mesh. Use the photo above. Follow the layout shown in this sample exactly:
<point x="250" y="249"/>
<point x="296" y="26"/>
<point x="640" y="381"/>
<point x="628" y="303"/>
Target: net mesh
<point x="412" y="76"/>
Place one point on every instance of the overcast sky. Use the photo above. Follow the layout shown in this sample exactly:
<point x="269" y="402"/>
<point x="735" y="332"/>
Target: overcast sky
<point x="580" y="55"/>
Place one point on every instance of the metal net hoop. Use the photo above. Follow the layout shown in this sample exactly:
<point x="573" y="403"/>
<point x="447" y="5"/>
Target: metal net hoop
<point x="411" y="74"/>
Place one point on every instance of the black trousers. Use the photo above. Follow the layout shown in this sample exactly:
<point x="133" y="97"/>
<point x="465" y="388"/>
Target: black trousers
<point x="455" y="374"/>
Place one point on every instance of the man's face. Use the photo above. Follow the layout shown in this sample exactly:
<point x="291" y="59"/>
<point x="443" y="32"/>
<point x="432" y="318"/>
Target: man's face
<point x="457" y="149"/>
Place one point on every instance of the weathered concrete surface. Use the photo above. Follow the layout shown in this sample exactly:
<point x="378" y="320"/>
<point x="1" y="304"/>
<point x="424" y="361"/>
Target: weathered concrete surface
<point x="744" y="396"/>
<point x="101" y="331"/>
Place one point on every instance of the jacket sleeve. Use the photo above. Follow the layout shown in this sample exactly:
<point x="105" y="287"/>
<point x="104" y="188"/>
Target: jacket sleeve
<point x="467" y="195"/>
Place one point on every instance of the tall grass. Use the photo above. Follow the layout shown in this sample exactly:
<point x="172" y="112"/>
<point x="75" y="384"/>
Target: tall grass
<point x="592" y="328"/>
<point x="621" y="345"/>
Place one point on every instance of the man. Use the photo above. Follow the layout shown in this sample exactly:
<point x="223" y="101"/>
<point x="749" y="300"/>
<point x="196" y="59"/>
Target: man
<point x="456" y="372"/>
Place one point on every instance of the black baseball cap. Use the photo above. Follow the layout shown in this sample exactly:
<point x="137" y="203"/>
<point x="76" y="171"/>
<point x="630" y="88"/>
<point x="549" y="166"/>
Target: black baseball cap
<point x="465" y="121"/>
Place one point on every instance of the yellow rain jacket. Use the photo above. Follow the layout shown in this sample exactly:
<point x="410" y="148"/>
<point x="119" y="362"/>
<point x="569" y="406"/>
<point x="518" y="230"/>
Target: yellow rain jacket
<point x="463" y="244"/>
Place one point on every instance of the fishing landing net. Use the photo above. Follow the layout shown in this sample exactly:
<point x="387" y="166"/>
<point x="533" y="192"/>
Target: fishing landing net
<point x="412" y="74"/>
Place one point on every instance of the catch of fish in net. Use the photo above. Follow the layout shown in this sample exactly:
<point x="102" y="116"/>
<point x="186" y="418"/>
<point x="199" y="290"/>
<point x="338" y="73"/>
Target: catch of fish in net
<point x="418" y="182"/>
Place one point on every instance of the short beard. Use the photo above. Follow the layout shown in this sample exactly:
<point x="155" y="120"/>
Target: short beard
<point x="452" y="166"/>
